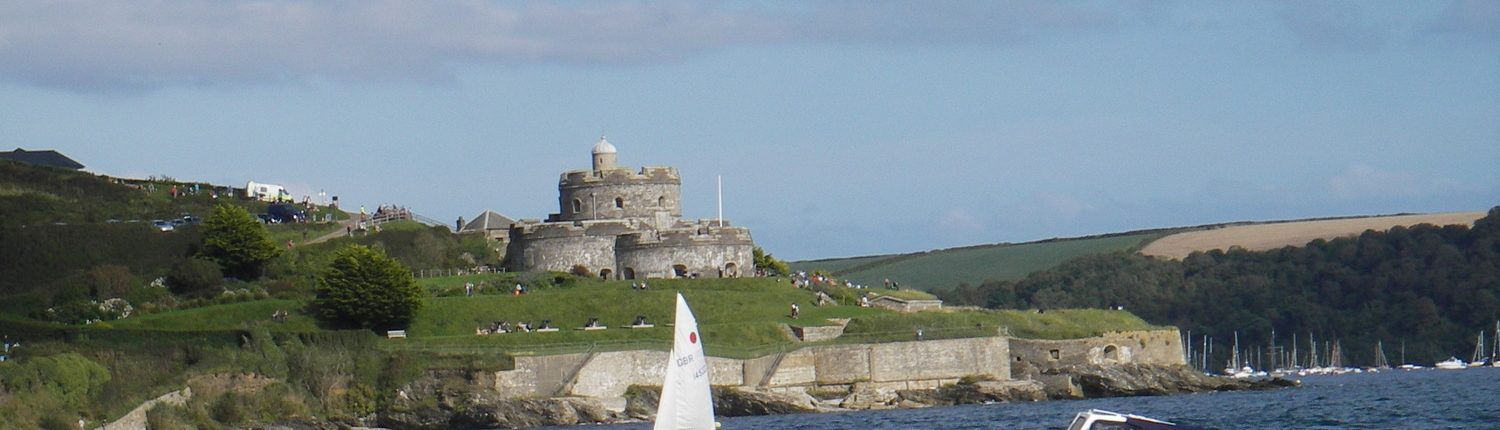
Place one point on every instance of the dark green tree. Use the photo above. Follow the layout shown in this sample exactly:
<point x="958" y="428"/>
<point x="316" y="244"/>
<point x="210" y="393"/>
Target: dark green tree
<point x="769" y="263"/>
<point x="237" y="241"/>
<point x="364" y="288"/>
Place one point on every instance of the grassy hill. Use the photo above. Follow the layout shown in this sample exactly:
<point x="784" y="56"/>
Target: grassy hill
<point x="948" y="267"/>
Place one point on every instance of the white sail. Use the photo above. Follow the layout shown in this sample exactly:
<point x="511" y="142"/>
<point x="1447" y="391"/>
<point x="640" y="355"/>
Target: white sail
<point x="686" y="402"/>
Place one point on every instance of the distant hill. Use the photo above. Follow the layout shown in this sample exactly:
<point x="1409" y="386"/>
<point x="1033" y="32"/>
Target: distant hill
<point x="946" y="268"/>
<point x="1272" y="235"/>
<point x="34" y="195"/>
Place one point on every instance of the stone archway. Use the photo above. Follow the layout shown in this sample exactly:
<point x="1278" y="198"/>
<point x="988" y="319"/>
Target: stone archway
<point x="606" y="274"/>
<point x="679" y="271"/>
<point x="731" y="270"/>
<point x="1111" y="352"/>
<point x="629" y="273"/>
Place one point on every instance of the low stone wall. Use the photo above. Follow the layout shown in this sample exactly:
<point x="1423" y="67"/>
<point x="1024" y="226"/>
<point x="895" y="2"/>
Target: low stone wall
<point x="894" y="365"/>
<point x="136" y="418"/>
<point x="1030" y="357"/>
<point x="818" y="333"/>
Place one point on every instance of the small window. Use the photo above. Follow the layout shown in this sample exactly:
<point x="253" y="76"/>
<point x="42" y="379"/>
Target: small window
<point x="661" y="201"/>
<point x="577" y="206"/>
<point x="1056" y="354"/>
<point x="619" y="203"/>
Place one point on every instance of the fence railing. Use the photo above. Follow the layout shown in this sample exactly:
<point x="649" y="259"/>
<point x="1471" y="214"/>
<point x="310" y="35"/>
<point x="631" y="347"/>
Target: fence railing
<point x="440" y="273"/>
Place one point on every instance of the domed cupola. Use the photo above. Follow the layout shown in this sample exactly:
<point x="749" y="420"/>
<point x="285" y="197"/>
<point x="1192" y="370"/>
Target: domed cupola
<point x="604" y="155"/>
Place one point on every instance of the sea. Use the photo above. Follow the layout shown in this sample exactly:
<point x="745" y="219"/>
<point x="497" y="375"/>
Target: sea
<point x="1389" y="399"/>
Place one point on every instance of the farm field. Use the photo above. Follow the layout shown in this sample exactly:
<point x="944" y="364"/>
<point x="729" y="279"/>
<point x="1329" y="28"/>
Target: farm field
<point x="1260" y="237"/>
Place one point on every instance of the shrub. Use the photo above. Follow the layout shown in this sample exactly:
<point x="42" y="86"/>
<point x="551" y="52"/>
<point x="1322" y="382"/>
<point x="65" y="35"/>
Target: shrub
<point x="195" y="277"/>
<point x="109" y="281"/>
<point x="364" y="288"/>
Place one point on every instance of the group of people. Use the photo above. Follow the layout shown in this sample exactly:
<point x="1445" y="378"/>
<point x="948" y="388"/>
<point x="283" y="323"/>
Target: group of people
<point x="5" y="353"/>
<point x="640" y="286"/>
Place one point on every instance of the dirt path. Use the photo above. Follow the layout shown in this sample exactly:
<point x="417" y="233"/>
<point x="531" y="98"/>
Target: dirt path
<point x="351" y="222"/>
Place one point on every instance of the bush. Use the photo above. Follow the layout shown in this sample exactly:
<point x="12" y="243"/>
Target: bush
<point x="364" y="288"/>
<point x="195" y="277"/>
<point x="69" y="378"/>
<point x="109" y="281"/>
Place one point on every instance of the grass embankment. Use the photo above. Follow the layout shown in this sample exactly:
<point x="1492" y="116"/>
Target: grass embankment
<point x="949" y="267"/>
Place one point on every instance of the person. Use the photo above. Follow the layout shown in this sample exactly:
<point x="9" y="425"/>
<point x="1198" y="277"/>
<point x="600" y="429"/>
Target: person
<point x="517" y="291"/>
<point x="469" y="289"/>
<point x="795" y="311"/>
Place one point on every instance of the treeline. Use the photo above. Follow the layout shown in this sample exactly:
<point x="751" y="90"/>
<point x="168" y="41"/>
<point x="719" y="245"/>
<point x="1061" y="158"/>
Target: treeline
<point x="1427" y="287"/>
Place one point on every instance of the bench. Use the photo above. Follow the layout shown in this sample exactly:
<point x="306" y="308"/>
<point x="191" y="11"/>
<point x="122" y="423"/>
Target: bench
<point x="393" y="334"/>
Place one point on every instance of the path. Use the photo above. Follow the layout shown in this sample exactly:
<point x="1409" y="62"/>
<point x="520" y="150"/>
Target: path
<point x="349" y="223"/>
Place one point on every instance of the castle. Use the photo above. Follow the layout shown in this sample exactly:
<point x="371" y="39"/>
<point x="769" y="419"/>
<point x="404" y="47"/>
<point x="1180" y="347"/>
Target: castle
<point x="616" y="223"/>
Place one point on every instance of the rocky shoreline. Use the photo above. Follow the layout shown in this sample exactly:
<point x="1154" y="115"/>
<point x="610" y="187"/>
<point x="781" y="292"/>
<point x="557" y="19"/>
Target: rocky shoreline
<point x="447" y="401"/>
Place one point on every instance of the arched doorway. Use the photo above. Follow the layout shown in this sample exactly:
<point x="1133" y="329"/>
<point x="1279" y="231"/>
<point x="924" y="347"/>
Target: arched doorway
<point x="679" y="271"/>
<point x="629" y="273"/>
<point x="606" y="274"/>
<point x="1111" y="352"/>
<point x="731" y="270"/>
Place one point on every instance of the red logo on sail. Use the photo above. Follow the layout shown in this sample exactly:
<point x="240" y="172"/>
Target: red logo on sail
<point x="692" y="337"/>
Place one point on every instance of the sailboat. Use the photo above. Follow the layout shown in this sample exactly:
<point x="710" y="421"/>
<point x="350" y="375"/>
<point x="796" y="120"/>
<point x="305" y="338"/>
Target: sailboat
<point x="1380" y="361"/>
<point x="686" y="401"/>
<point x="1479" y="356"/>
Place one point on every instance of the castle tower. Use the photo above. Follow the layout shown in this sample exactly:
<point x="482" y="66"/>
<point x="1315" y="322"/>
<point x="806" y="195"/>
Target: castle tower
<point x="604" y="155"/>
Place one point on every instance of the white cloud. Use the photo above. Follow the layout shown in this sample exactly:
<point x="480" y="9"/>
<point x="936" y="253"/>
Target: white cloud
<point x="1363" y="181"/>
<point x="1065" y="207"/>
<point x="959" y="221"/>
<point x="107" y="45"/>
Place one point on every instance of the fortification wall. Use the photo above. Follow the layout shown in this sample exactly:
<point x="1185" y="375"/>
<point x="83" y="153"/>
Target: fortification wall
<point x="1032" y="356"/>
<point x="655" y="193"/>
<point x="919" y="364"/>
<point x="707" y="252"/>
<point x="561" y="246"/>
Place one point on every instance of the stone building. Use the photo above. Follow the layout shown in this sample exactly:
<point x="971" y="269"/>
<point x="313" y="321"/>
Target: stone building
<point x="619" y="223"/>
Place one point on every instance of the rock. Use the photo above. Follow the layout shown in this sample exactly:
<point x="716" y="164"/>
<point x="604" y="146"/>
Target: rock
<point x="862" y="396"/>
<point x="641" y="402"/>
<point x="976" y="392"/>
<point x="1153" y="380"/>
<point x="522" y="413"/>
<point x="736" y="402"/>
<point x="444" y="400"/>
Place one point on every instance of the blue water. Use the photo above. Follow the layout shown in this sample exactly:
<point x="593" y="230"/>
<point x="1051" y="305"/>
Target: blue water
<point x="1428" y="399"/>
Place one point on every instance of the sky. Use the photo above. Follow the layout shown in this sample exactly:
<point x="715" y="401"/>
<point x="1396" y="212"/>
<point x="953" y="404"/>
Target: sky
<point x="840" y="128"/>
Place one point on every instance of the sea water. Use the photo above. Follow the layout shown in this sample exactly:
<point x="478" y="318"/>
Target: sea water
<point x="1426" y="399"/>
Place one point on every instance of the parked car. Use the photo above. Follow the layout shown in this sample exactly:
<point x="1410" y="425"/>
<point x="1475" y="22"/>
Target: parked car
<point x="284" y="213"/>
<point x="163" y="225"/>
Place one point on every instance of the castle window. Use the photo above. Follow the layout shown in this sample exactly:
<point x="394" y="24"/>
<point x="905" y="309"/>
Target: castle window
<point x="661" y="201"/>
<point x="577" y="206"/>
<point x="619" y="203"/>
<point x="1056" y="354"/>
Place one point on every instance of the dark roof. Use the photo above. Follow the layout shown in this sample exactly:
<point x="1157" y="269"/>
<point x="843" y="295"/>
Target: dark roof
<point x="47" y="158"/>
<point x="488" y="220"/>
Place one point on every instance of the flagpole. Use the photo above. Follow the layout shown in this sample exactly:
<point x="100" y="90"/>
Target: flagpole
<point x="721" y="200"/>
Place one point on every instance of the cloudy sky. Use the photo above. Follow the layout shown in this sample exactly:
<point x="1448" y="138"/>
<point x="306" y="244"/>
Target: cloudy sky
<point x="840" y="127"/>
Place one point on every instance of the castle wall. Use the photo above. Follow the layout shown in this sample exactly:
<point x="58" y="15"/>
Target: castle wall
<point x="561" y="246"/>
<point x="708" y="252"/>
<point x="1030" y="356"/>
<point x="654" y="195"/>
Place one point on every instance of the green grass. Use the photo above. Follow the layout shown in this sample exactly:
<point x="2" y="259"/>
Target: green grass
<point x="224" y="317"/>
<point x="739" y="318"/>
<point x="973" y="265"/>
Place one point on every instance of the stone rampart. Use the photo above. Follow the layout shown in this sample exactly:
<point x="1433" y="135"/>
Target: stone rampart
<point x="707" y="252"/>
<point x="1032" y="356"/>
<point x="918" y="364"/>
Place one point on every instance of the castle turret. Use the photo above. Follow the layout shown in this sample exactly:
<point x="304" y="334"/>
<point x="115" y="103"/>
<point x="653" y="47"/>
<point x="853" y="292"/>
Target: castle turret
<point x="604" y="155"/>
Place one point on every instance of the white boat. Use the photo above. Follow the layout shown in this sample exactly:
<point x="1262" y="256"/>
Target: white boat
<point x="686" y="401"/>
<point x="1095" y="419"/>
<point x="1450" y="364"/>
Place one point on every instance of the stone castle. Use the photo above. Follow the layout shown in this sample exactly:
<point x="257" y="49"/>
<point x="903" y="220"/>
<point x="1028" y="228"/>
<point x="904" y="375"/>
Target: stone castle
<point x="617" y="223"/>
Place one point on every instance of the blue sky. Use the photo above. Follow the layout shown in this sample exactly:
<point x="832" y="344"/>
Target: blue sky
<point x="840" y="127"/>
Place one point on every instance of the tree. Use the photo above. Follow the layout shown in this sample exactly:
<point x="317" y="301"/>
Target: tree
<point x="769" y="263"/>
<point x="237" y="241"/>
<point x="364" y="288"/>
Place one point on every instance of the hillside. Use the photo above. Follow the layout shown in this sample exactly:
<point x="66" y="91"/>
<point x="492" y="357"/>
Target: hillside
<point x="948" y="268"/>
<point x="1431" y="288"/>
<point x="1272" y="235"/>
